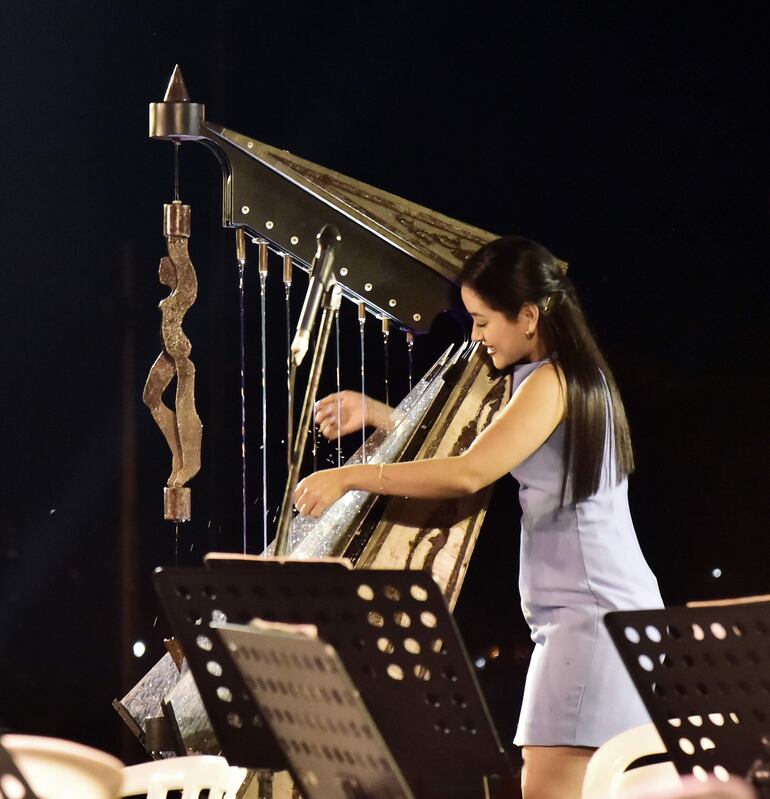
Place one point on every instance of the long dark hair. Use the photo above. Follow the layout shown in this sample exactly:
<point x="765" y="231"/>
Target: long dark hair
<point x="511" y="271"/>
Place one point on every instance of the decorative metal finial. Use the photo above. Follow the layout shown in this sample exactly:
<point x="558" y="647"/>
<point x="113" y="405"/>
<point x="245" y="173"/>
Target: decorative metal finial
<point x="176" y="92"/>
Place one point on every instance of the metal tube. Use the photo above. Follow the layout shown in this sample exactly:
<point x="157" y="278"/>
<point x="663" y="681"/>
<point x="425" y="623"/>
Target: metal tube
<point x="282" y="538"/>
<point x="240" y="253"/>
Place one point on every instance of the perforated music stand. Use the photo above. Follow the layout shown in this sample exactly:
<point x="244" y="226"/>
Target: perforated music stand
<point x="333" y="746"/>
<point x="704" y="675"/>
<point x="396" y="639"/>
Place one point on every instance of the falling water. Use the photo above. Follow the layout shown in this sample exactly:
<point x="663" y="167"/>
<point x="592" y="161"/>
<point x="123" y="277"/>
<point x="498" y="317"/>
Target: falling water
<point x="361" y="325"/>
<point x="241" y="254"/>
<point x="176" y="171"/>
<point x="289" y="387"/>
<point x="385" y="338"/>
<point x="263" y="321"/>
<point x="313" y="431"/>
<point x="339" y="386"/>
<point x="410" y="354"/>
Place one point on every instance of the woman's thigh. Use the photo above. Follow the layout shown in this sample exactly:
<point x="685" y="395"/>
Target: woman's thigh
<point x="554" y="772"/>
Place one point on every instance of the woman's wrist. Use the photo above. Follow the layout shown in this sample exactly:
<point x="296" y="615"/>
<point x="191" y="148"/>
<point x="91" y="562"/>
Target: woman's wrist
<point x="357" y="477"/>
<point x="378" y="414"/>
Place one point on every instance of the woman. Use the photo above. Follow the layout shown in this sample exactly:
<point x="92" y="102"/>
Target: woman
<point x="564" y="436"/>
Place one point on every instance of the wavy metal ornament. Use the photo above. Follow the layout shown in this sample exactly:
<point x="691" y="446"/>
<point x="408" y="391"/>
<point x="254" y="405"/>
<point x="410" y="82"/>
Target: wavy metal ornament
<point x="181" y="426"/>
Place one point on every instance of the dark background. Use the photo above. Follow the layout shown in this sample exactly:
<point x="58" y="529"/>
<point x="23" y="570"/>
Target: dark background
<point x="630" y="139"/>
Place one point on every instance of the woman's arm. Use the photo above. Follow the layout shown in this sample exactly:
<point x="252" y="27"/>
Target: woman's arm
<point x="525" y="423"/>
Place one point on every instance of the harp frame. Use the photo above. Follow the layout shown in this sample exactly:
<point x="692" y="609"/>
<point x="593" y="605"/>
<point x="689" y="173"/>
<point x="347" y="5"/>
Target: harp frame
<point x="397" y="257"/>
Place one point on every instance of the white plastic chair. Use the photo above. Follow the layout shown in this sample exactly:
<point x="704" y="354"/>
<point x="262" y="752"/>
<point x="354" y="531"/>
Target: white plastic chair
<point x="190" y="775"/>
<point x="606" y="775"/>
<point x="58" y="769"/>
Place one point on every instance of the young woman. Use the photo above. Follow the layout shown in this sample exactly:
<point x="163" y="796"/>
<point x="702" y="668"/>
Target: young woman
<point x="564" y="436"/>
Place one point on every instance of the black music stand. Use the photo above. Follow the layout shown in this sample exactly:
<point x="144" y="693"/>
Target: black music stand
<point x="333" y="746"/>
<point x="704" y="675"/>
<point x="396" y="639"/>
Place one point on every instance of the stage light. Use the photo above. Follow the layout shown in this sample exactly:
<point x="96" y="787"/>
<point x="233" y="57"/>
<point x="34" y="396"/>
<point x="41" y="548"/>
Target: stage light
<point x="139" y="648"/>
<point x="716" y="572"/>
<point x="479" y="663"/>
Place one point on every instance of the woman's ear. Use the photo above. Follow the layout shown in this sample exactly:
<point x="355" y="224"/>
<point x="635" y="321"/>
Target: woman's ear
<point x="530" y="314"/>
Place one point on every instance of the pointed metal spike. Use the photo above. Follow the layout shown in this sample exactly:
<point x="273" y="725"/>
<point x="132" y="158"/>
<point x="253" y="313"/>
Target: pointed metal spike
<point x="176" y="91"/>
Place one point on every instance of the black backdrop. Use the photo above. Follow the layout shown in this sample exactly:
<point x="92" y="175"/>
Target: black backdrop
<point x="631" y="140"/>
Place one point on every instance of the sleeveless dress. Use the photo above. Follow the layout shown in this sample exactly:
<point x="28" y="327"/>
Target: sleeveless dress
<point x="577" y="563"/>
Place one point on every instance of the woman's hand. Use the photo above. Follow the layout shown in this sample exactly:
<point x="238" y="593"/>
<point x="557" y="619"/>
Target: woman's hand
<point x="349" y="411"/>
<point x="316" y="492"/>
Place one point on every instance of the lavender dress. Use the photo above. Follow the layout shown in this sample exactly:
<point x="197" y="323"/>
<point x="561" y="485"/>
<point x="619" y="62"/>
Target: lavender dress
<point x="577" y="563"/>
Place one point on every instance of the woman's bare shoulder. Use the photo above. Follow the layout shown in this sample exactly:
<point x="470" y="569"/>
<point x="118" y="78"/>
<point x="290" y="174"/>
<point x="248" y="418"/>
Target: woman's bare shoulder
<point x="545" y="388"/>
<point x="549" y="376"/>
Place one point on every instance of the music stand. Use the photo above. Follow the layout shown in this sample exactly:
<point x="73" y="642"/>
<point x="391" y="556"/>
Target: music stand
<point x="333" y="746"/>
<point x="703" y="674"/>
<point x="396" y="639"/>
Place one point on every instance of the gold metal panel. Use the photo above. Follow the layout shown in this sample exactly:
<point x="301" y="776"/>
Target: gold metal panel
<point x="181" y="427"/>
<point x="436" y="240"/>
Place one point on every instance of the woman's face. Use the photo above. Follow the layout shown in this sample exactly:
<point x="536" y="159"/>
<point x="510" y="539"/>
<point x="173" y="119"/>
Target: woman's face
<point x="506" y="341"/>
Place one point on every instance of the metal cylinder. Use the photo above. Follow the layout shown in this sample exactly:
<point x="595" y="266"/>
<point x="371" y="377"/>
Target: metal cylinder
<point x="240" y="245"/>
<point x="177" y="504"/>
<point x="263" y="253"/>
<point x="159" y="738"/>
<point x="178" y="121"/>
<point x="176" y="219"/>
<point x="287" y="266"/>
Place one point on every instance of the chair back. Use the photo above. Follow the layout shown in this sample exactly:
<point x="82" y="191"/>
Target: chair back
<point x="58" y="769"/>
<point x="190" y="775"/>
<point x="607" y="775"/>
